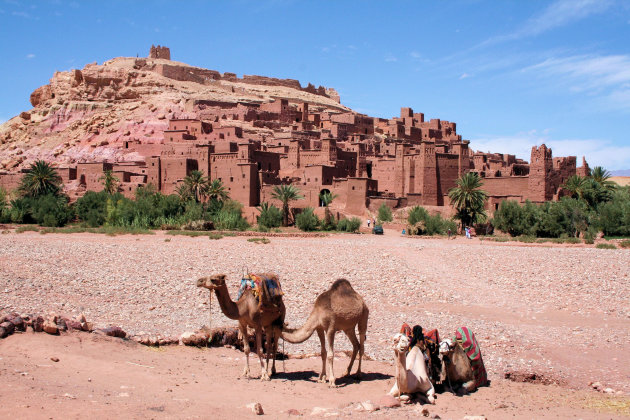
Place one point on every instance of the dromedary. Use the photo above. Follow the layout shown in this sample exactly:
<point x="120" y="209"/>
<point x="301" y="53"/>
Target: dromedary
<point x="411" y="371"/>
<point x="456" y="369"/>
<point x="263" y="316"/>
<point x="339" y="308"/>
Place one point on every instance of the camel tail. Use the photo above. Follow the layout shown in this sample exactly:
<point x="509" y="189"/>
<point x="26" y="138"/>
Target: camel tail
<point x="299" y="335"/>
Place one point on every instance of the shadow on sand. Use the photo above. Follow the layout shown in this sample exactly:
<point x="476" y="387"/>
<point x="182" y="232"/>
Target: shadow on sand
<point x="311" y="376"/>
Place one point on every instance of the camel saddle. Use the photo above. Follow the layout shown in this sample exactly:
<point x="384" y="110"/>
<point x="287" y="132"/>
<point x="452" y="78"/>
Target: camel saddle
<point x="466" y="339"/>
<point x="261" y="286"/>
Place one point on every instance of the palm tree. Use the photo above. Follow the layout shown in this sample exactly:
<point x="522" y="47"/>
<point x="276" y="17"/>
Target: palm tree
<point x="601" y="175"/>
<point x="40" y="179"/>
<point x="109" y="181"/>
<point x="326" y="198"/>
<point x="468" y="199"/>
<point x="184" y="192"/>
<point x="576" y="185"/>
<point x="196" y="185"/>
<point x="285" y="194"/>
<point x="217" y="191"/>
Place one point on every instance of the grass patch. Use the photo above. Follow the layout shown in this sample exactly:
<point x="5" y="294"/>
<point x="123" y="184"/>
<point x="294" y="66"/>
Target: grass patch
<point x="4" y="232"/>
<point x="214" y="236"/>
<point x="28" y="228"/>
<point x="572" y="241"/>
<point x="106" y="230"/>
<point x="526" y="239"/>
<point x="167" y="240"/>
<point x="623" y="244"/>
<point x="500" y="239"/>
<point x="191" y="233"/>
<point x="605" y="246"/>
<point x="259" y="240"/>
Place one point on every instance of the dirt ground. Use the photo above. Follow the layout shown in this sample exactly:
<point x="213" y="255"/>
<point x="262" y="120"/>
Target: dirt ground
<point x="103" y="377"/>
<point x="556" y="314"/>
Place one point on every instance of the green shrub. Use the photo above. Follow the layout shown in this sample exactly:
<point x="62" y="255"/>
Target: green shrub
<point x="625" y="243"/>
<point x="51" y="210"/>
<point x="230" y="217"/>
<point x="605" y="246"/>
<point x="349" y="225"/>
<point x="270" y="216"/>
<point x="259" y="240"/>
<point x="307" y="221"/>
<point x="385" y="213"/>
<point x="4" y="206"/>
<point x="422" y="223"/>
<point x="92" y="208"/>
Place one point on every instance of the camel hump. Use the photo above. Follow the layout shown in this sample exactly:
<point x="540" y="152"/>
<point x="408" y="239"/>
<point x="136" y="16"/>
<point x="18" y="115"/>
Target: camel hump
<point x="342" y="286"/>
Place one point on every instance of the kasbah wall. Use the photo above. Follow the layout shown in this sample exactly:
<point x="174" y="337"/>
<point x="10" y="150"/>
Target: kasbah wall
<point x="365" y="161"/>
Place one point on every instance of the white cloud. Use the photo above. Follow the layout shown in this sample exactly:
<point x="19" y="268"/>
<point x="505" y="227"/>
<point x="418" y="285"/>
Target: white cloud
<point x="464" y="76"/>
<point x="390" y="59"/>
<point x="598" y="152"/>
<point x="559" y="13"/>
<point x="593" y="75"/>
<point x="415" y="54"/>
<point x="29" y="56"/>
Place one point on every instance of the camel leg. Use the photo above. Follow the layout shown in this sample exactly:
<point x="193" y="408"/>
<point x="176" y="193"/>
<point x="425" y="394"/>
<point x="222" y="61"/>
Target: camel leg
<point x="330" y="356"/>
<point x="243" y="330"/>
<point x="355" y="349"/>
<point x="322" y="342"/>
<point x="363" y="324"/>
<point x="268" y="332"/>
<point x="264" y="376"/>
<point x="276" y="337"/>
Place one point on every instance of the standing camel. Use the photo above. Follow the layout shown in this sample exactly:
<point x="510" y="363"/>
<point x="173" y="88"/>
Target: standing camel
<point x="339" y="308"/>
<point x="264" y="315"/>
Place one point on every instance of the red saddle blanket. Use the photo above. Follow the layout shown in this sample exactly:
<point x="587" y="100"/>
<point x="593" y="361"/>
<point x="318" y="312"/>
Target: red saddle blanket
<point x="469" y="343"/>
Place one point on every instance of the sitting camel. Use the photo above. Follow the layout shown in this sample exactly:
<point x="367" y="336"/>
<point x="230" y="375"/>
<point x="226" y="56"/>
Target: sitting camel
<point x="263" y="316"/>
<point x="456" y="369"/>
<point x="411" y="371"/>
<point x="339" y="308"/>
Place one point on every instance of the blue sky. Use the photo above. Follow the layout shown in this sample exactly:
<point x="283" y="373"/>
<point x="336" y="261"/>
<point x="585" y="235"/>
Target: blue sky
<point x="512" y="74"/>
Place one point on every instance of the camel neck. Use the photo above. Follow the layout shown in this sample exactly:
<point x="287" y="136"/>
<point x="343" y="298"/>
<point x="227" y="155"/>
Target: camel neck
<point x="228" y="307"/>
<point x="401" y="370"/>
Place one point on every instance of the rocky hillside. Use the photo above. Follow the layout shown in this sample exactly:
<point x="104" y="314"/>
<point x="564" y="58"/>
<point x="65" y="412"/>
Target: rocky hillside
<point x="85" y="115"/>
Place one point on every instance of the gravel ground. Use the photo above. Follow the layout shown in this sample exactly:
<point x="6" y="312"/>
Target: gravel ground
<point x="561" y="312"/>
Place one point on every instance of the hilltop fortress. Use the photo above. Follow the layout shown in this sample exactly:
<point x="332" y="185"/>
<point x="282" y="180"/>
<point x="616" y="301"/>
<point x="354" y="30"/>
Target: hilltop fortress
<point x="153" y="121"/>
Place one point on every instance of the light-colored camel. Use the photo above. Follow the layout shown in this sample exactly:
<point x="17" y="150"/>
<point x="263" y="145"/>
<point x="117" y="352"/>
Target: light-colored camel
<point x="457" y="371"/>
<point x="339" y="308"/>
<point x="263" y="316"/>
<point x="411" y="371"/>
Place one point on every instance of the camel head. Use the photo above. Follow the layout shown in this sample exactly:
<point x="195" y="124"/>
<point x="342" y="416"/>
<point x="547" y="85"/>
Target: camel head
<point x="401" y="343"/>
<point x="446" y="346"/>
<point x="212" y="282"/>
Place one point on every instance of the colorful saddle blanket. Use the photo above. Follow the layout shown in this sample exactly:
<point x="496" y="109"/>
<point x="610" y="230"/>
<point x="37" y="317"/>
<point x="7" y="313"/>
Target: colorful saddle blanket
<point x="469" y="343"/>
<point x="254" y="282"/>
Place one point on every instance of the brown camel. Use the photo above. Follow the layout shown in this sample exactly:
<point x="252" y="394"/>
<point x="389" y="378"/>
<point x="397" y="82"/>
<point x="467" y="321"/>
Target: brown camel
<point x="266" y="316"/>
<point x="457" y="371"/>
<point x="339" y="308"/>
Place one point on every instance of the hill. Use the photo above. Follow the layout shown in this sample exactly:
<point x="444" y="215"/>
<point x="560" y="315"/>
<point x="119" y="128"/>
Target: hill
<point x="86" y="115"/>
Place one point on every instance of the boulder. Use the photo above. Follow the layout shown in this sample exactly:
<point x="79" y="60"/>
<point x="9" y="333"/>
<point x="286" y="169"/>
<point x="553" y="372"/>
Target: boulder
<point x="50" y="327"/>
<point x="3" y="332"/>
<point x="114" y="332"/>
<point x="256" y="408"/>
<point x="18" y="323"/>
<point x="38" y="324"/>
<point x="8" y="327"/>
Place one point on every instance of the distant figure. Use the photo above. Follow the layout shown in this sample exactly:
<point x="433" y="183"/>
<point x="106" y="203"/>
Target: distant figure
<point x="468" y="233"/>
<point x="403" y="232"/>
<point x="368" y="222"/>
<point x="449" y="234"/>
